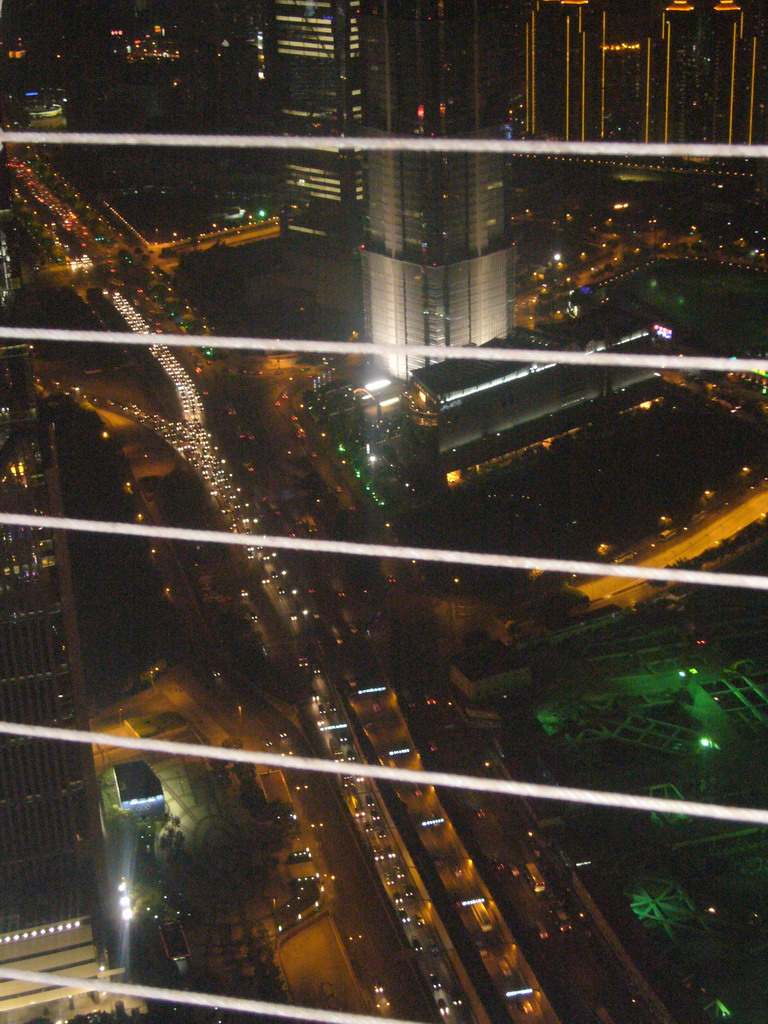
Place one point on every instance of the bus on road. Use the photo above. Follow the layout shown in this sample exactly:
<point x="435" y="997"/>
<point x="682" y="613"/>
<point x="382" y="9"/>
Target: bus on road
<point x="534" y="877"/>
<point x="482" y="916"/>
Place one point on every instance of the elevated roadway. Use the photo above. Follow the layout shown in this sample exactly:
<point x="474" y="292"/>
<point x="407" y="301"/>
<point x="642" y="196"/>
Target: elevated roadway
<point x="242" y="234"/>
<point x="711" y="529"/>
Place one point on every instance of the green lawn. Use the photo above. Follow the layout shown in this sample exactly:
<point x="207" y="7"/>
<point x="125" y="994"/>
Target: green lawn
<point x="724" y="309"/>
<point x="154" y="725"/>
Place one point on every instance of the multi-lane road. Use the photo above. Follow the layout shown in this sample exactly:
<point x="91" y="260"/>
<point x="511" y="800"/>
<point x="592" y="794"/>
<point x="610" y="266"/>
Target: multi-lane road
<point x="395" y="940"/>
<point x="705" y="533"/>
<point x="375" y="947"/>
<point x="556" y="926"/>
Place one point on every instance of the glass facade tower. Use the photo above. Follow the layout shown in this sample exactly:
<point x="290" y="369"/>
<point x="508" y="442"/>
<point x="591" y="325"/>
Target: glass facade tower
<point x="437" y="263"/>
<point x="318" y="53"/>
<point x="48" y="819"/>
<point x="47" y="830"/>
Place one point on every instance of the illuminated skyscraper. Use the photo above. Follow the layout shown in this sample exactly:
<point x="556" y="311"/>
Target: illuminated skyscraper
<point x="683" y="42"/>
<point x="49" y="863"/>
<point x="50" y="868"/>
<point x="46" y="823"/>
<point x="437" y="263"/>
<point x="713" y="62"/>
<point x="562" y="45"/>
<point x="623" y="90"/>
<point x="665" y="70"/>
<point x="729" y="71"/>
<point x="318" y="53"/>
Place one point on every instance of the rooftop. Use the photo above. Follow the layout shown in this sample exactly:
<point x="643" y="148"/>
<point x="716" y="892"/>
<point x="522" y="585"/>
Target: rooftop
<point x="451" y="378"/>
<point x="605" y="324"/>
<point x="137" y="784"/>
<point x="598" y="328"/>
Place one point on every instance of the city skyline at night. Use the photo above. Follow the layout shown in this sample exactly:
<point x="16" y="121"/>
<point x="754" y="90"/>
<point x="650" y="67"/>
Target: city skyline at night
<point x="337" y="890"/>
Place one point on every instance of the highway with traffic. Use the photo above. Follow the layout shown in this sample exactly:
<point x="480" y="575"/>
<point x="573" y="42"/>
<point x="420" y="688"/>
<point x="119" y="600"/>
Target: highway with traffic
<point x="706" y="532"/>
<point x="428" y="934"/>
<point x="381" y="959"/>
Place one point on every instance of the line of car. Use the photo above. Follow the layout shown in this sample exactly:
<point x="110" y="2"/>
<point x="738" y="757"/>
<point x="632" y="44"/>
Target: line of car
<point x="367" y="814"/>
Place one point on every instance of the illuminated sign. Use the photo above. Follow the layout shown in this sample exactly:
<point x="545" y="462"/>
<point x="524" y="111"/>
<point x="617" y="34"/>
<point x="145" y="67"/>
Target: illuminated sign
<point x="663" y="332"/>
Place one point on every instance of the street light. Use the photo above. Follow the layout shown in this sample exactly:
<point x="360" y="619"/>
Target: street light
<point x="124" y="901"/>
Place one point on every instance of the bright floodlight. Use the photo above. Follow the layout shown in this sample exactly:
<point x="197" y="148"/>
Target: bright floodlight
<point x="127" y="913"/>
<point x="378" y="385"/>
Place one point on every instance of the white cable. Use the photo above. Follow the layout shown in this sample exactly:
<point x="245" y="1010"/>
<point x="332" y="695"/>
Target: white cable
<point x="410" y="144"/>
<point x="719" y="364"/>
<point x="169" y="995"/>
<point x="410" y="776"/>
<point x="399" y="143"/>
<point x="696" y="577"/>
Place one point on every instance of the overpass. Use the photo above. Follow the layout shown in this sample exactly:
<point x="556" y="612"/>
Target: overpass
<point x="242" y="234"/>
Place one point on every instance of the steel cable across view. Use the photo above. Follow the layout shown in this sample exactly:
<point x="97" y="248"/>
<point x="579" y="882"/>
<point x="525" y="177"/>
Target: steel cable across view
<point x="383" y="511"/>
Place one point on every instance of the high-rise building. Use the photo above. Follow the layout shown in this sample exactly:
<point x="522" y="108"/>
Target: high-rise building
<point x="623" y="94"/>
<point x="729" y="56"/>
<point x="712" y="57"/>
<point x="625" y="75"/>
<point x="49" y="864"/>
<point x="47" y="844"/>
<point x="318" y="59"/>
<point x="682" y="33"/>
<point x="661" y="70"/>
<point x="437" y="261"/>
<point x="562" y="53"/>
<point x="49" y="831"/>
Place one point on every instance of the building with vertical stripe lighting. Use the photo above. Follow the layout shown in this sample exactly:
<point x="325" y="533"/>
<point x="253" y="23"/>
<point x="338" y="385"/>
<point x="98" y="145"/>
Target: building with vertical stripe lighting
<point x="622" y="90"/>
<point x="713" y="60"/>
<point x="676" y="71"/>
<point x="562" y="45"/>
<point x="730" y="68"/>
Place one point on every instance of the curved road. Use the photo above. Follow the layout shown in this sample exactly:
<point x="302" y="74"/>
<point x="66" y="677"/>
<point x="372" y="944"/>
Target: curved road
<point x="691" y="541"/>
